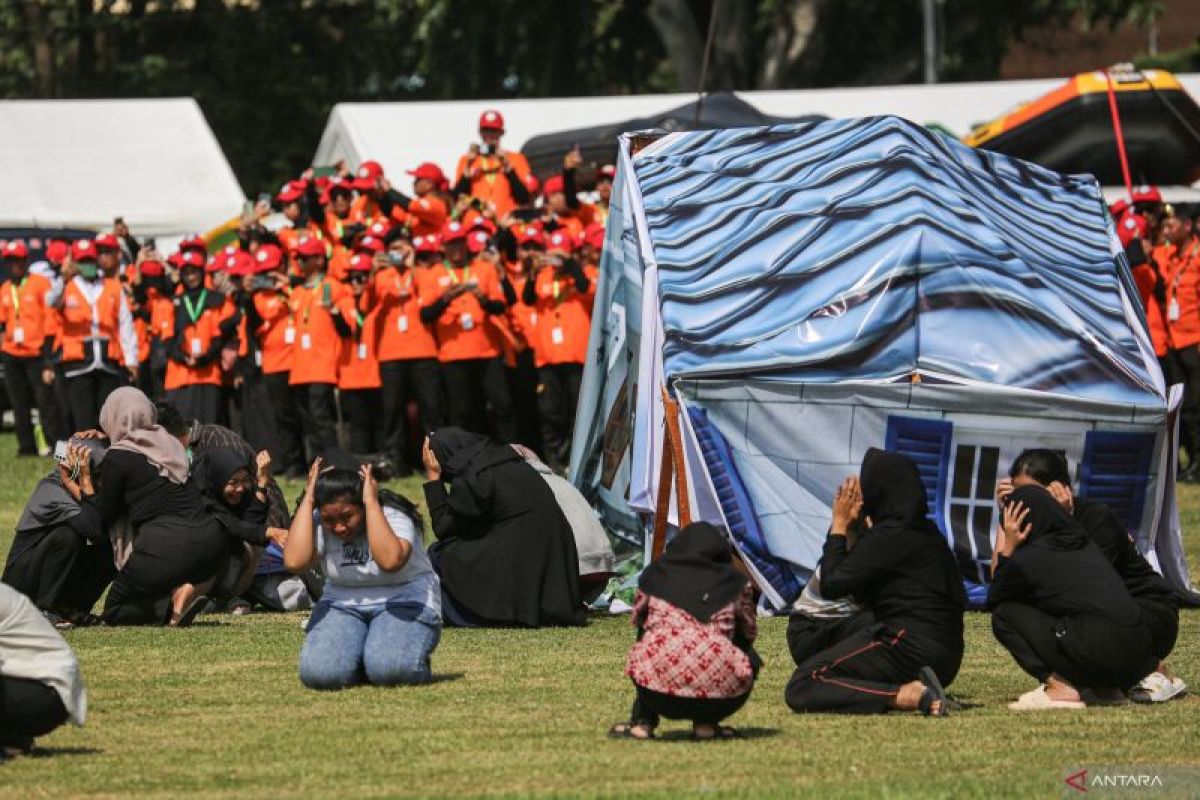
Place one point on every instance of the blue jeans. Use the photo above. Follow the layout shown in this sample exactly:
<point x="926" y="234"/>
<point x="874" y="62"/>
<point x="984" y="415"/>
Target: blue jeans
<point x="387" y="644"/>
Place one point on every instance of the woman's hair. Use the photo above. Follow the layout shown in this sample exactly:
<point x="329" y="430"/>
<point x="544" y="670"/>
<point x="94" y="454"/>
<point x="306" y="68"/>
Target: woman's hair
<point x="346" y="484"/>
<point x="170" y="418"/>
<point x="1044" y="466"/>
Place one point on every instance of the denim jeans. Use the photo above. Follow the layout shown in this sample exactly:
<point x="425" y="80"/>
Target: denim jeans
<point x="386" y="645"/>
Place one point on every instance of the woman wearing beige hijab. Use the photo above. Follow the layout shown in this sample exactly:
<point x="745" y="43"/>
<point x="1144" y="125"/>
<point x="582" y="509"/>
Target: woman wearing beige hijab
<point x="144" y="478"/>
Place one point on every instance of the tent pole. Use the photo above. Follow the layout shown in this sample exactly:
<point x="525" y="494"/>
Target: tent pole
<point x="708" y="41"/>
<point x="1120" y="137"/>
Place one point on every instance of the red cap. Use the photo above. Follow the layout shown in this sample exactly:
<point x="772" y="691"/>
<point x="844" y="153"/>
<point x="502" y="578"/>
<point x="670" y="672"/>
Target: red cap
<point x="553" y="184"/>
<point x="346" y="185"/>
<point x="607" y="172"/>
<point x="291" y="191"/>
<point x="453" y="230"/>
<point x="106" y="241"/>
<point x="1131" y="226"/>
<point x="427" y="244"/>
<point x="485" y="223"/>
<point x="429" y="171"/>
<point x="56" y="251"/>
<point x="194" y="242"/>
<point x="15" y="249"/>
<point x="1118" y="208"/>
<point x="173" y="259"/>
<point x="529" y="234"/>
<point x="308" y="245"/>
<point x="532" y="183"/>
<point x="491" y="120"/>
<point x="380" y="230"/>
<point x="190" y="258"/>
<point x="266" y="258"/>
<point x="83" y="250"/>
<point x="594" y="235"/>
<point x="360" y="262"/>
<point x="478" y="240"/>
<point x="560" y="240"/>
<point x="369" y="244"/>
<point x="1147" y="194"/>
<point x="366" y="175"/>
<point x="151" y="269"/>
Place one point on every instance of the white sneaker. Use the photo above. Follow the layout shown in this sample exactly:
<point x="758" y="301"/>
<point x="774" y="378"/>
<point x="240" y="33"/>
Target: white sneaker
<point x="1157" y="688"/>
<point x="1038" y="700"/>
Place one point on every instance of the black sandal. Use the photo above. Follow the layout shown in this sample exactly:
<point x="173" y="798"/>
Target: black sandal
<point x="624" y="730"/>
<point x="720" y="732"/>
<point x="933" y="693"/>
<point x="198" y="606"/>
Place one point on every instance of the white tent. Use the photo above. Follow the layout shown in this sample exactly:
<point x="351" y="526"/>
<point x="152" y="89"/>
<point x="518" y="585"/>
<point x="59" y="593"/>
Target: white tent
<point x="402" y="135"/>
<point x="79" y="163"/>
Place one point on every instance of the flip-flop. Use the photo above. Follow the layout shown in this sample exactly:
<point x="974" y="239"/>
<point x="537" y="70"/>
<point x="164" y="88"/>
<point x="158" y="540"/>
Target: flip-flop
<point x="624" y="730"/>
<point x="1038" y="700"/>
<point x="933" y="691"/>
<point x="720" y="732"/>
<point x="198" y="606"/>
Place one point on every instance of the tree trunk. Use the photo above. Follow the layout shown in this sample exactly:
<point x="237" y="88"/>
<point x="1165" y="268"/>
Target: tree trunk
<point x="733" y="41"/>
<point x="791" y="41"/>
<point x="681" y="38"/>
<point x="40" y="45"/>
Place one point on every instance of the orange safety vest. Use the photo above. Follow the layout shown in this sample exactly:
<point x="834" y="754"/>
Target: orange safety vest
<point x="317" y="346"/>
<point x="462" y="332"/>
<point x="564" y="318"/>
<point x="77" y="319"/>
<point x="491" y="184"/>
<point x="26" y="317"/>
<point x="358" y="364"/>
<point x="203" y="326"/>
<point x="402" y="334"/>
<point x="275" y="340"/>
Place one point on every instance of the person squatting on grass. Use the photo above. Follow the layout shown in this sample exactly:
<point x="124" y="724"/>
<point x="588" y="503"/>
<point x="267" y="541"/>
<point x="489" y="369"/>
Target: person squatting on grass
<point x="380" y="616"/>
<point x="903" y="572"/>
<point x="1061" y="610"/>
<point x="694" y="657"/>
<point x="1159" y="602"/>
<point x="40" y="684"/>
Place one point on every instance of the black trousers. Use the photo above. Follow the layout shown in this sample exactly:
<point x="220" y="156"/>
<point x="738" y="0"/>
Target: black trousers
<point x="26" y="390"/>
<point x="28" y="709"/>
<point x="523" y="386"/>
<point x="86" y="393"/>
<point x="63" y="573"/>
<point x="1163" y="623"/>
<point x="317" y="409"/>
<point x="862" y="673"/>
<point x="287" y="448"/>
<point x="1088" y="651"/>
<point x="405" y="381"/>
<point x="362" y="411"/>
<point x="256" y="417"/>
<point x="200" y="401"/>
<point x="558" y="395"/>
<point x="807" y="636"/>
<point x="471" y="381"/>
<point x="649" y="705"/>
<point x="1183" y="366"/>
<point x="167" y="553"/>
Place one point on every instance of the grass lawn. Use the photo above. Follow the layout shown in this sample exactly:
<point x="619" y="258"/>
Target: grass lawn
<point x="217" y="711"/>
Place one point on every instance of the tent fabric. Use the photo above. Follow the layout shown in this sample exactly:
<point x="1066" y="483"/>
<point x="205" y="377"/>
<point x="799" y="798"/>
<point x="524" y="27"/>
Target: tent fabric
<point x="80" y="163"/>
<point x="810" y="291"/>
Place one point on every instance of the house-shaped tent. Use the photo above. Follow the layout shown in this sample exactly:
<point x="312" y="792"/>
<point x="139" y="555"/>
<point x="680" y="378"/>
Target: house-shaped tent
<point x="806" y="292"/>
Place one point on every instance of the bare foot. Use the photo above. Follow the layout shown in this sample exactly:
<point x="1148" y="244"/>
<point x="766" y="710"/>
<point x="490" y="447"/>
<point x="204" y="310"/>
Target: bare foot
<point x="909" y="698"/>
<point x="625" y="730"/>
<point x="1059" y="689"/>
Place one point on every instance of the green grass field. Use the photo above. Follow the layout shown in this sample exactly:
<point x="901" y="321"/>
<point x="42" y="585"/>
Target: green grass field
<point x="217" y="711"/>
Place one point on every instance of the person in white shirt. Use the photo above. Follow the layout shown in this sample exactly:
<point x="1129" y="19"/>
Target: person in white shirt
<point x="379" y="617"/>
<point x="40" y="683"/>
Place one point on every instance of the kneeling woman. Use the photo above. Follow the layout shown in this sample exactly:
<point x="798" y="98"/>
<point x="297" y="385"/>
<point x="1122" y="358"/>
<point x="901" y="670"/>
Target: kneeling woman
<point x="903" y="572"/>
<point x="379" y="617"/>
<point x="505" y="551"/>
<point x="696" y="625"/>
<point x="1060" y="608"/>
<point x="144" y="477"/>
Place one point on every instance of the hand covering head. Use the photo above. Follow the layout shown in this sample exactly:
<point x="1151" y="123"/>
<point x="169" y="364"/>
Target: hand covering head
<point x="131" y="423"/>
<point x="462" y="454"/>
<point x="695" y="572"/>
<point x="893" y="495"/>
<point x="1051" y="525"/>
<point x="51" y="504"/>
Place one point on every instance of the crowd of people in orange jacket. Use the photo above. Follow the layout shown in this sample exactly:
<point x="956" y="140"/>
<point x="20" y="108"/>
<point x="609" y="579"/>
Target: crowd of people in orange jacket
<point x="1163" y="248"/>
<point x="466" y="302"/>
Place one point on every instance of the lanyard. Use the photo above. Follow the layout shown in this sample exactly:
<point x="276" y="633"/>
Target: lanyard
<point x="466" y="276"/>
<point x="16" y="297"/>
<point x="1179" y="272"/>
<point x="406" y="285"/>
<point x="194" y="312"/>
<point x="321" y="287"/>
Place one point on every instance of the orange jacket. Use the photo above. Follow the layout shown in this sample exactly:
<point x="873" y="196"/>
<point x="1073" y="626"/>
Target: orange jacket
<point x="490" y="183"/>
<point x="26" y="317"/>
<point x="358" y="364"/>
<point x="564" y="317"/>
<point x="365" y="211"/>
<point x="198" y="335"/>
<point x="1178" y="319"/>
<point x="274" y="339"/>
<point x="460" y="328"/>
<point x="318" y="344"/>
<point x="75" y="321"/>
<point x="424" y="215"/>
<point x="402" y="334"/>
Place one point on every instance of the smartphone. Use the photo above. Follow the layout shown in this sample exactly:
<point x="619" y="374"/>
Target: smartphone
<point x="487" y="149"/>
<point x="264" y="198"/>
<point x="150" y="242"/>
<point x="60" y="451"/>
<point x="260" y="282"/>
<point x="324" y="172"/>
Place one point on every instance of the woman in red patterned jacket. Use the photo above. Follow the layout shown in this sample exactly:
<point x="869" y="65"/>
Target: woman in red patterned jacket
<point x="694" y="657"/>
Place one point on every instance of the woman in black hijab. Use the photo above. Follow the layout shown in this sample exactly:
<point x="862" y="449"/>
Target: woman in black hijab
<point x="505" y="552"/>
<point x="1061" y="609"/>
<point x="902" y="571"/>
<point x="694" y="657"/>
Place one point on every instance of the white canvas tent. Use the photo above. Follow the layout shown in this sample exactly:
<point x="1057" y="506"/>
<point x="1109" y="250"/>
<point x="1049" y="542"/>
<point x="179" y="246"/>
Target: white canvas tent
<point x="402" y="135"/>
<point x="79" y="163"/>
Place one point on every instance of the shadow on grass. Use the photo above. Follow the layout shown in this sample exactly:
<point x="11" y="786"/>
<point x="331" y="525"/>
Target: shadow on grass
<point x="685" y="735"/>
<point x="54" y="752"/>
<point x="444" y="677"/>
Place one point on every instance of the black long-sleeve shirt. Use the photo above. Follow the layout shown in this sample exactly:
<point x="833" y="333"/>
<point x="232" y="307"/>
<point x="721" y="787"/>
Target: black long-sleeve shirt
<point x="130" y="485"/>
<point x="1109" y="535"/>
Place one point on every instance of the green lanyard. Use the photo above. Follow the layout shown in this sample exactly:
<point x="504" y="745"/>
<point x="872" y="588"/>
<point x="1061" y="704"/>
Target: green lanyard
<point x="16" y="297"/>
<point x="194" y="312"/>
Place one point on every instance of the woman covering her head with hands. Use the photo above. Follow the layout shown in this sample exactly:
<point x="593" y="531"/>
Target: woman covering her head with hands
<point x="902" y="571"/>
<point x="379" y="617"/>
